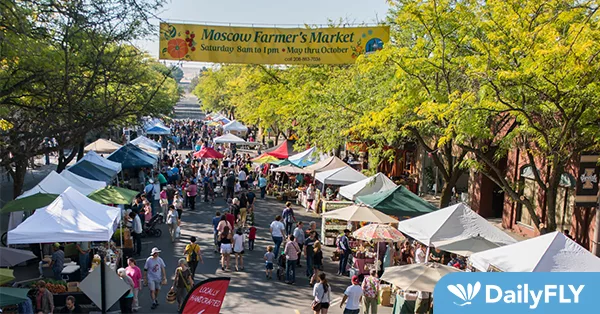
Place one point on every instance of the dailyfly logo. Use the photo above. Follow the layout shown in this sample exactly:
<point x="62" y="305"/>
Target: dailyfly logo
<point x="465" y="295"/>
<point x="521" y="295"/>
<point x="517" y="293"/>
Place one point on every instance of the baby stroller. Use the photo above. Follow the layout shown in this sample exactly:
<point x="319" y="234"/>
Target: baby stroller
<point x="281" y="264"/>
<point x="150" y="229"/>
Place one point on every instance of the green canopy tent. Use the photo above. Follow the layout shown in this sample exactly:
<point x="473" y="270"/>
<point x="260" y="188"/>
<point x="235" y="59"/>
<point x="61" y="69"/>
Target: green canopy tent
<point x="29" y="203"/>
<point x="12" y="296"/>
<point x="113" y="195"/>
<point x="281" y="162"/>
<point x="399" y="202"/>
<point x="6" y="275"/>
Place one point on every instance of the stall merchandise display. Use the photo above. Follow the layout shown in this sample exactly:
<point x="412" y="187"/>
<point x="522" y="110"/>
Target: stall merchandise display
<point x="332" y="228"/>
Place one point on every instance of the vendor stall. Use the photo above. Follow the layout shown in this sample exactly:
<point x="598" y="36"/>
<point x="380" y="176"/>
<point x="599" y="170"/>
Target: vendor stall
<point x="334" y="222"/>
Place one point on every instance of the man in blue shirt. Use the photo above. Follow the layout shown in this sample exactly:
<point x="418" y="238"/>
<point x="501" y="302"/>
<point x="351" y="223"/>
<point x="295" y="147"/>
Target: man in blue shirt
<point x="215" y="222"/>
<point x="262" y="184"/>
<point x="344" y="247"/>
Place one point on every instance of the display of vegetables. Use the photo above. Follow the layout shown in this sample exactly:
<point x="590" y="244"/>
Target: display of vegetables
<point x="56" y="286"/>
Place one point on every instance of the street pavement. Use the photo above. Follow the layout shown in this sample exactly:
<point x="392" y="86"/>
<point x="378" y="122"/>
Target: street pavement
<point x="249" y="290"/>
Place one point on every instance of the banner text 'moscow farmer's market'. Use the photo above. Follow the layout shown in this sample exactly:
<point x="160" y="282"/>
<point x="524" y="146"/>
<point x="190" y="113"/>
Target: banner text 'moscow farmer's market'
<point x="223" y="44"/>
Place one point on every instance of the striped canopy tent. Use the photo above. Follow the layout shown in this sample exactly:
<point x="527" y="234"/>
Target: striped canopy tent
<point x="283" y="150"/>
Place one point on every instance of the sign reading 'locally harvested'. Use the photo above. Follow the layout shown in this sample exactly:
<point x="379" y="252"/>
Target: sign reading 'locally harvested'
<point x="222" y="44"/>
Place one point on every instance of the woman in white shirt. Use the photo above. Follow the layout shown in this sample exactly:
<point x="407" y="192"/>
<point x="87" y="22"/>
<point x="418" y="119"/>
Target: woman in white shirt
<point x="238" y="249"/>
<point x="277" y="230"/>
<point x="321" y="292"/>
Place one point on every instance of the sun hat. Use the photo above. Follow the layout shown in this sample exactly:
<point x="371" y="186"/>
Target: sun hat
<point x="155" y="250"/>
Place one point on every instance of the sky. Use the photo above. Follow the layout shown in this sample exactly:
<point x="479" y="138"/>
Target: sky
<point x="283" y="13"/>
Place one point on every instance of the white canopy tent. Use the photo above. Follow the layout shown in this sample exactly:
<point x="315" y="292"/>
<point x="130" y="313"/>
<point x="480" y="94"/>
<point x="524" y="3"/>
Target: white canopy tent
<point x="80" y="182"/>
<point x="72" y="217"/>
<point x="54" y="183"/>
<point x="456" y="222"/>
<point x="142" y="140"/>
<point x="229" y="138"/>
<point x="340" y="176"/>
<point x="103" y="146"/>
<point x="289" y="169"/>
<point x="94" y="158"/>
<point x="370" y="185"/>
<point x="326" y="164"/>
<point x="305" y="158"/>
<point x="552" y="252"/>
<point x="235" y="126"/>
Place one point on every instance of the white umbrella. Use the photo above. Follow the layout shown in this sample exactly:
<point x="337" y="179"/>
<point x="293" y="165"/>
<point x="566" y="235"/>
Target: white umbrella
<point x="10" y="257"/>
<point x="466" y="246"/>
<point x="359" y="213"/>
<point x="417" y="277"/>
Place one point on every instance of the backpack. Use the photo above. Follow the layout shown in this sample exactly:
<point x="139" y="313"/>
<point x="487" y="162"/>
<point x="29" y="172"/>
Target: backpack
<point x="193" y="255"/>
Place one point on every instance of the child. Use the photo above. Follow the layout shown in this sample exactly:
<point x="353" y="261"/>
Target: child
<point x="250" y="217"/>
<point x="269" y="257"/>
<point x="251" y="237"/>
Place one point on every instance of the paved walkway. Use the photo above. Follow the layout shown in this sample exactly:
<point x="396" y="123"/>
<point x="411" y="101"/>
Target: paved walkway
<point x="249" y="291"/>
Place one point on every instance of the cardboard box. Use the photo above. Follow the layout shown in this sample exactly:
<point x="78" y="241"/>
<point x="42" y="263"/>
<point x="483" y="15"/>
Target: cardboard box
<point x="73" y="286"/>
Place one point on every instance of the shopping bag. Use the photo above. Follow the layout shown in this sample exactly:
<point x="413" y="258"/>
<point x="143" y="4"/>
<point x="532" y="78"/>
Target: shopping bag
<point x="177" y="232"/>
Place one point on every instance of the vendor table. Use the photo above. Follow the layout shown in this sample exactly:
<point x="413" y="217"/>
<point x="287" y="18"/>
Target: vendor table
<point x="71" y="272"/>
<point x="328" y="206"/>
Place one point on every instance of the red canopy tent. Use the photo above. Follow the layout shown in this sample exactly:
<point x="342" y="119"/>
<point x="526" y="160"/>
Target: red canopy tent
<point x="207" y="152"/>
<point x="283" y="150"/>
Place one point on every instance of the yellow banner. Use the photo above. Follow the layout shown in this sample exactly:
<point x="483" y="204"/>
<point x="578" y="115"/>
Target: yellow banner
<point x="222" y="44"/>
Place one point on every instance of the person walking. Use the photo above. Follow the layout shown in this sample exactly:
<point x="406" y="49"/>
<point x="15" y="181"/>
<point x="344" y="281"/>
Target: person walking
<point x="288" y="218"/>
<point x="277" y="230"/>
<point x="172" y="221"/>
<point x="344" y="248"/>
<point x="126" y="301"/>
<point x="230" y="185"/>
<point x="310" y="196"/>
<point x="215" y="223"/>
<point x="309" y="253"/>
<point x="353" y="295"/>
<point x="136" y="232"/>
<point x="269" y="257"/>
<point x="193" y="255"/>
<point x="299" y="235"/>
<point x="291" y="254"/>
<point x="370" y="287"/>
<point x="155" y="275"/>
<point x="322" y="295"/>
<point x="317" y="261"/>
<point x="136" y="275"/>
<point x="251" y="237"/>
<point x="262" y="184"/>
<point x="226" y="248"/>
<point x="191" y="192"/>
<point x="238" y="249"/>
<point x="183" y="281"/>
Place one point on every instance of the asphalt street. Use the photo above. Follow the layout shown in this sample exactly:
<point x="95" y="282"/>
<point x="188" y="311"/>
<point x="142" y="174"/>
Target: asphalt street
<point x="249" y="290"/>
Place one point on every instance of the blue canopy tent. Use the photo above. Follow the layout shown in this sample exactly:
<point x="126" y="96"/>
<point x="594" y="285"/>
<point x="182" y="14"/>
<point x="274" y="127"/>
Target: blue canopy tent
<point x="93" y="171"/>
<point x="158" y="130"/>
<point x="131" y="156"/>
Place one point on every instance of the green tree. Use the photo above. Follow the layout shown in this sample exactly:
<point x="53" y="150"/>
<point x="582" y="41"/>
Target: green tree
<point x="427" y="63"/>
<point x="537" y="62"/>
<point x="64" y="72"/>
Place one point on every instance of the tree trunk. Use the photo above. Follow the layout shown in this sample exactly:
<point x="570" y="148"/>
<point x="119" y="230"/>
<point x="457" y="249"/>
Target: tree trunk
<point x="551" y="193"/>
<point x="80" y="152"/>
<point x="446" y="195"/>
<point x="18" y="177"/>
<point x="64" y="161"/>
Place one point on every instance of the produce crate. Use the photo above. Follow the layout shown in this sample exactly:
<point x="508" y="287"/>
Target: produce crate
<point x="73" y="286"/>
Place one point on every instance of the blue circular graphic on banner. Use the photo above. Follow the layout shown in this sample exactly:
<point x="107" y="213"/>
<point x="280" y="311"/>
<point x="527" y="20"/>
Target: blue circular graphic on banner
<point x="373" y="45"/>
